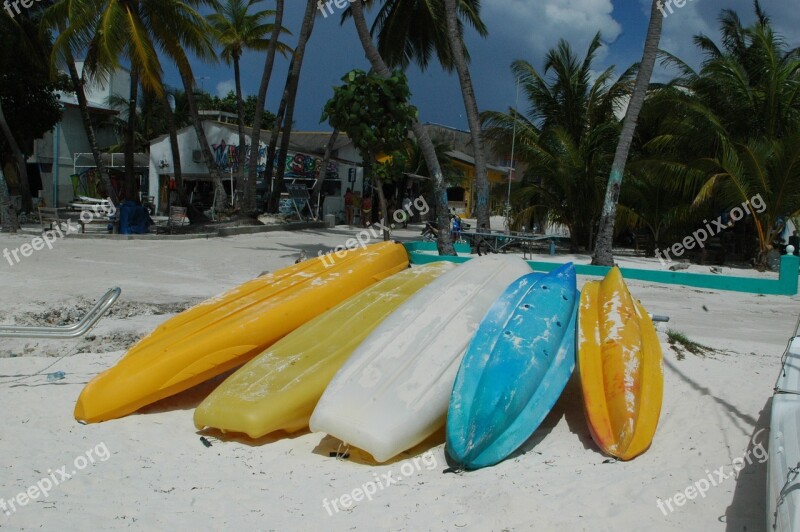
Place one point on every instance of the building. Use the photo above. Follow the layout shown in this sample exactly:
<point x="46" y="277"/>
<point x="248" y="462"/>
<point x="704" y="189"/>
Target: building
<point x="302" y="164"/>
<point x="61" y="165"/>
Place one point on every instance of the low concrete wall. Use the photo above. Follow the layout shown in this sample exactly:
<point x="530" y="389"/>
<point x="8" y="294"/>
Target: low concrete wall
<point x="786" y="284"/>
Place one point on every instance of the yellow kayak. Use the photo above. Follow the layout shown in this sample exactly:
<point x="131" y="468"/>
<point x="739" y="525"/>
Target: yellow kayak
<point x="621" y="368"/>
<point x="279" y="389"/>
<point x="226" y="331"/>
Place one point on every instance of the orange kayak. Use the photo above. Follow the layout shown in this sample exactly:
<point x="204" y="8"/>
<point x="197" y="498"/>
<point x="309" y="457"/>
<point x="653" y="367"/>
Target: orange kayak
<point x="229" y="330"/>
<point x="621" y="368"/>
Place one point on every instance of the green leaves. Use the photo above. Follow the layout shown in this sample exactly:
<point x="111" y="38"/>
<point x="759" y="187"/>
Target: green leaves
<point x="373" y="111"/>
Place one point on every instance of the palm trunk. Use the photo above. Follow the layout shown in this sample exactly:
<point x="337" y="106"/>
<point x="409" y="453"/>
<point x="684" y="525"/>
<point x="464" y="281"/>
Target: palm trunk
<point x="10" y="223"/>
<point x="242" y="140"/>
<point x="83" y="105"/>
<point x="473" y="116"/>
<point x="444" y="241"/>
<point x="294" y="81"/>
<point x="184" y="68"/>
<point x="195" y="215"/>
<point x="130" y="138"/>
<point x="323" y="172"/>
<point x="603" y="255"/>
<point x="385" y="221"/>
<point x="19" y="159"/>
<point x="249" y="202"/>
<point x="272" y="147"/>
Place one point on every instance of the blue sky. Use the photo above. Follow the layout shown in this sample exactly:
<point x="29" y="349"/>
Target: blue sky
<point x="518" y="29"/>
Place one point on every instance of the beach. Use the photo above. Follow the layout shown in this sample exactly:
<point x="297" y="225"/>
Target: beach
<point x="151" y="470"/>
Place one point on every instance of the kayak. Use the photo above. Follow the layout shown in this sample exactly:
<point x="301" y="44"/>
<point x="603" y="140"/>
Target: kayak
<point x="279" y="389"/>
<point x="621" y="368"/>
<point x="783" y="477"/>
<point x="515" y="369"/>
<point x="394" y="390"/>
<point x="226" y="331"/>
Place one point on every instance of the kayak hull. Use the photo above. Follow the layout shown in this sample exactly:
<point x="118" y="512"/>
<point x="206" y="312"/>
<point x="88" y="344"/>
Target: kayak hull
<point x="515" y="369"/>
<point x="279" y="388"/>
<point x="393" y="392"/>
<point x="224" y="332"/>
<point x="621" y="368"/>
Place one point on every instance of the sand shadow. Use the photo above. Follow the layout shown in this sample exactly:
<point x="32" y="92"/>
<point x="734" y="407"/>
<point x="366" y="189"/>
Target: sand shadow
<point x="333" y="449"/>
<point x="748" y="509"/>
<point x="570" y="407"/>
<point x="217" y="436"/>
<point x="187" y="399"/>
<point x="732" y="410"/>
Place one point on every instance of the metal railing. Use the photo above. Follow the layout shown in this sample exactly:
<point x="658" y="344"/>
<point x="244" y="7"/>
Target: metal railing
<point x="69" y="331"/>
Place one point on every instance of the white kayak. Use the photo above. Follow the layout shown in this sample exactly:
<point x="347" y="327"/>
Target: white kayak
<point x="393" y="392"/>
<point x="783" y="476"/>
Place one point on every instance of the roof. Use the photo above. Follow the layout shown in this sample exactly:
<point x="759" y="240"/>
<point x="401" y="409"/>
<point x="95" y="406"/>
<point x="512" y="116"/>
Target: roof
<point x="309" y="142"/>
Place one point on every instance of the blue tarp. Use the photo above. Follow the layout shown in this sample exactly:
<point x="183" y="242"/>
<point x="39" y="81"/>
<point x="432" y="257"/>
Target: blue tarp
<point x="133" y="219"/>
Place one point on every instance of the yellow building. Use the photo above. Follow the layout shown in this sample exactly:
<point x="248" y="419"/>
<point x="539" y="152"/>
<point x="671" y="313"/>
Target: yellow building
<point x="462" y="198"/>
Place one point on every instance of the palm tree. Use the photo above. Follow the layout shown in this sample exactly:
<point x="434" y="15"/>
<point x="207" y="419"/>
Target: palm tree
<point x="10" y="223"/>
<point x="603" y="254"/>
<point x="566" y="139"/>
<point x="457" y="48"/>
<point x="412" y="31"/>
<point x="288" y="104"/>
<point x="444" y="240"/>
<point x="249" y="202"/>
<point x="57" y="16"/>
<point x="730" y="121"/>
<point x="111" y="30"/>
<point x="237" y="30"/>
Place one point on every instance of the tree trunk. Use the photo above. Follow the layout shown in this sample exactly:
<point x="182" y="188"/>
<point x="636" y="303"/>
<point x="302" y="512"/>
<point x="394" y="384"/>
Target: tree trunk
<point x="10" y="223"/>
<point x="272" y="147"/>
<point x="249" y="202"/>
<point x="185" y="70"/>
<point x="323" y="172"/>
<point x="473" y="116"/>
<point x="293" y="83"/>
<point x="19" y="159"/>
<point x="83" y="105"/>
<point x="444" y="241"/>
<point x="603" y="255"/>
<point x="385" y="221"/>
<point x="130" y="138"/>
<point x="195" y="215"/>
<point x="240" y="174"/>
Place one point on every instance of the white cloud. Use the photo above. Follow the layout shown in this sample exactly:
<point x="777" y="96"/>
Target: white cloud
<point x="541" y="24"/>
<point x="224" y="87"/>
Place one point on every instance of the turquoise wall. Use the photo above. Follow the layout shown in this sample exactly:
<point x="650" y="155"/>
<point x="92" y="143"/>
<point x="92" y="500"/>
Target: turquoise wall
<point x="786" y="284"/>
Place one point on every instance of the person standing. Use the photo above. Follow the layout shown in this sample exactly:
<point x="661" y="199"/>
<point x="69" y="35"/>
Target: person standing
<point x="366" y="211"/>
<point x="348" y="207"/>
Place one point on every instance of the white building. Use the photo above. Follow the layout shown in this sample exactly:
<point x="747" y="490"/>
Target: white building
<point x="306" y="151"/>
<point x="68" y="139"/>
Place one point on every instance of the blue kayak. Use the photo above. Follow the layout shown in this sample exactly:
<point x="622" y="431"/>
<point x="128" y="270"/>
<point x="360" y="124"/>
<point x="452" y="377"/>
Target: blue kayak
<point x="514" y="370"/>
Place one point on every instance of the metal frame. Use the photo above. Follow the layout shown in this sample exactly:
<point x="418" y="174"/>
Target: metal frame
<point x="66" y="332"/>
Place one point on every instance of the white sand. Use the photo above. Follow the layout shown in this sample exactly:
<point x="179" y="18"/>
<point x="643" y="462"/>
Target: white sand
<point x="159" y="476"/>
